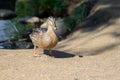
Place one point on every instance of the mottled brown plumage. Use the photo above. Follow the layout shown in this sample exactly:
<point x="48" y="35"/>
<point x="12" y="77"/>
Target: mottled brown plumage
<point x="45" y="37"/>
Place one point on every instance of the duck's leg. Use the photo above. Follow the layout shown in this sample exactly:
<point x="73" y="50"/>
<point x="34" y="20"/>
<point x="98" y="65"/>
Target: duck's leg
<point x="50" y="53"/>
<point x="35" y="52"/>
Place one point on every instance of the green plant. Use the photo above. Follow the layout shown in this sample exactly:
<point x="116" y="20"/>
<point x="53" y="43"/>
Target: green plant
<point x="24" y="8"/>
<point x="50" y="6"/>
<point x="78" y="15"/>
<point x="22" y="29"/>
<point x="69" y="23"/>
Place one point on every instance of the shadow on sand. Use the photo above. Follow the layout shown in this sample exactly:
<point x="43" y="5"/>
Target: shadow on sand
<point x="59" y="54"/>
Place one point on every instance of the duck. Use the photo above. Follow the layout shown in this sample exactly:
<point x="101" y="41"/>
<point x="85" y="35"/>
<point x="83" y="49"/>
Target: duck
<point x="45" y="36"/>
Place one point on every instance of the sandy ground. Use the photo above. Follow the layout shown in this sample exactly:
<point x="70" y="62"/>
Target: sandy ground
<point x="21" y="65"/>
<point x="99" y="46"/>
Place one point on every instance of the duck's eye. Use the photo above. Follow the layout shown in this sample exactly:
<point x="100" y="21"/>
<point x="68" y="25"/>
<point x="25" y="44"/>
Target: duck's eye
<point x="44" y="29"/>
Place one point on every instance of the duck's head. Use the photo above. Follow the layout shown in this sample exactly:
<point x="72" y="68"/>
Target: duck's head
<point x="50" y="23"/>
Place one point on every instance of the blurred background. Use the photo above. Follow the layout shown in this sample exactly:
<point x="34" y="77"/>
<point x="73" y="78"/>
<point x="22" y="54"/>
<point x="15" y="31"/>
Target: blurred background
<point x="14" y="30"/>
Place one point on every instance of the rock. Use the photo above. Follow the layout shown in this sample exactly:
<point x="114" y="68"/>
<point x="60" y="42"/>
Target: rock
<point x="29" y="20"/>
<point x="24" y="45"/>
<point x="7" y="14"/>
<point x="16" y="45"/>
<point x="7" y="29"/>
<point x="7" y="45"/>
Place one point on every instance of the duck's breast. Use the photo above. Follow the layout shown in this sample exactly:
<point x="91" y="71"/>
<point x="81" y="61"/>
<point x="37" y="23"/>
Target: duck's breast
<point x="48" y="41"/>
